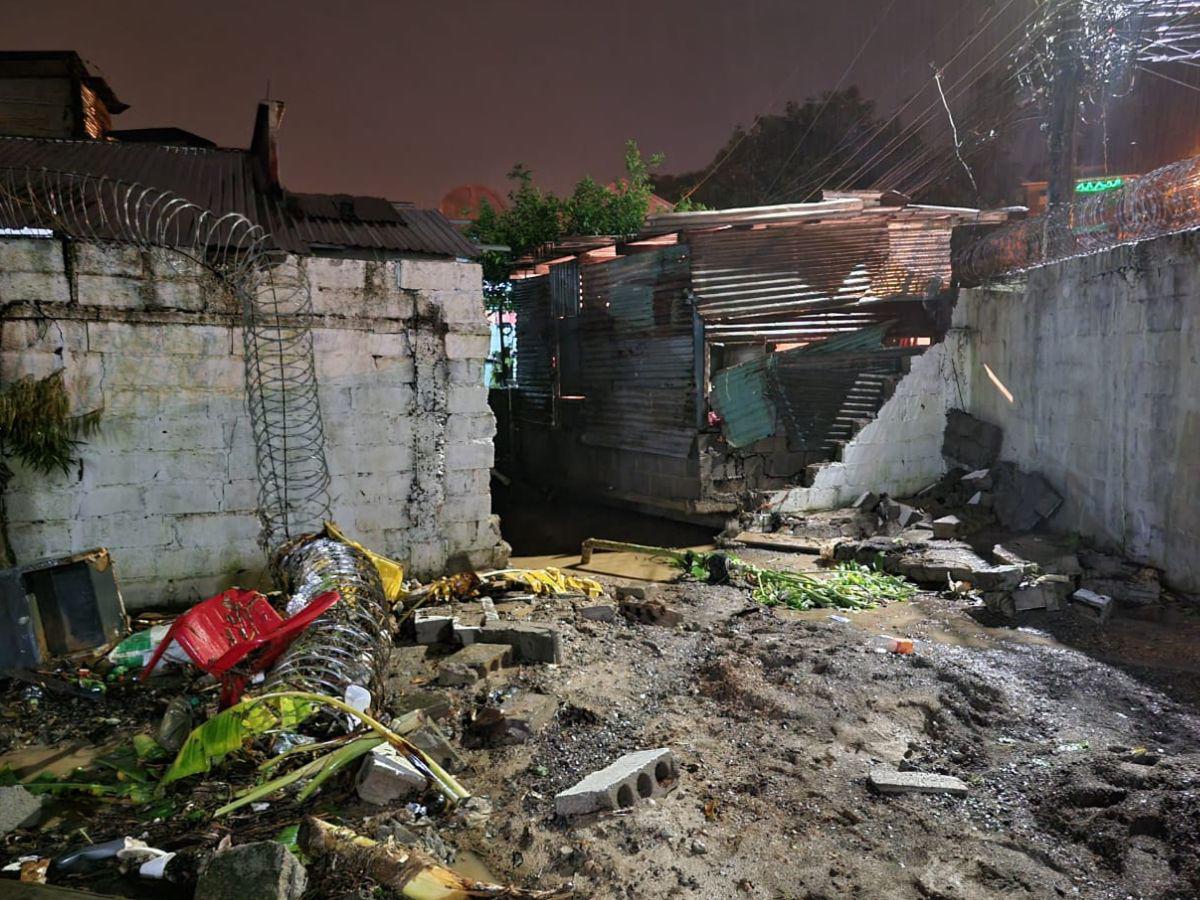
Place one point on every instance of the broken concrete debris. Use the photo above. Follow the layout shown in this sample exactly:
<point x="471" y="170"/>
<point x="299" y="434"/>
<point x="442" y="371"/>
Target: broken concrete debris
<point x="264" y="870"/>
<point x="530" y="642"/>
<point x="597" y="612"/>
<point x="971" y="441"/>
<point x="432" y="628"/>
<point x="1020" y="500"/>
<point x="651" y="612"/>
<point x="1096" y="607"/>
<point x="18" y="808"/>
<point x="633" y="778"/>
<point x="474" y="662"/>
<point x="887" y="781"/>
<point x="385" y="777"/>
<point x="515" y="721"/>
<point x="946" y="528"/>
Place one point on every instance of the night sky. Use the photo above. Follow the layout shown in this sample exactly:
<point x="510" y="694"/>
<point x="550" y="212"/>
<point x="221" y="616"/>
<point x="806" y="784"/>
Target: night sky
<point x="409" y="99"/>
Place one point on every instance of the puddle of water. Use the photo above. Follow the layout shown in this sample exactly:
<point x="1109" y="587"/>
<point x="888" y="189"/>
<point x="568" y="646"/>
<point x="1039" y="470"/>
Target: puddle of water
<point x="61" y="760"/>
<point x="470" y="865"/>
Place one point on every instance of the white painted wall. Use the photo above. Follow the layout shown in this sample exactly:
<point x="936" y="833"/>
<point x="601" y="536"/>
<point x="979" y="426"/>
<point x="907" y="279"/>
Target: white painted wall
<point x="1102" y="358"/>
<point x="898" y="452"/>
<point x="169" y="483"/>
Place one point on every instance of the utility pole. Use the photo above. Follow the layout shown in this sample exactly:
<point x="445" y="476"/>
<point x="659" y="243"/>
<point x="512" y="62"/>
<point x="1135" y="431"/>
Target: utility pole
<point x="1064" y="101"/>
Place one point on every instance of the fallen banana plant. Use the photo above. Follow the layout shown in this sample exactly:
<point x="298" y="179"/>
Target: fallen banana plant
<point x="406" y="870"/>
<point x="317" y="771"/>
<point x="225" y="733"/>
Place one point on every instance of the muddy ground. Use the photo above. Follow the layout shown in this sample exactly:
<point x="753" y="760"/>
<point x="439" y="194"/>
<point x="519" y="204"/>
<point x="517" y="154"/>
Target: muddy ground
<point x="1082" y="767"/>
<point x="1083" y="776"/>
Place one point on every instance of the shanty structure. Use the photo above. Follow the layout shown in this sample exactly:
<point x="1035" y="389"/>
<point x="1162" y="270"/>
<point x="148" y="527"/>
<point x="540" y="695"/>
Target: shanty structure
<point x="720" y="354"/>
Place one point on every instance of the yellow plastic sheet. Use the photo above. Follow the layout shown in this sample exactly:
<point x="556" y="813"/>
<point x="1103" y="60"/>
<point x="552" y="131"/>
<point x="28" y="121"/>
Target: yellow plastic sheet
<point x="391" y="573"/>
<point x="550" y="581"/>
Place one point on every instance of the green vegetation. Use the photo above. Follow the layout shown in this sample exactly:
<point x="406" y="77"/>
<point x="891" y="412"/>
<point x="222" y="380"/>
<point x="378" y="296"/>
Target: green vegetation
<point x="39" y="430"/>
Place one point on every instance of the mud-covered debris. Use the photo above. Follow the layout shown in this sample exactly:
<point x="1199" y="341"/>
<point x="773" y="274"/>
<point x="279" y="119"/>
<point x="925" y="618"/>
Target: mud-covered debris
<point x="887" y="781"/>
<point x="517" y="720"/>
<point x="474" y="662"/>
<point x="597" y="611"/>
<point x="264" y="870"/>
<point x="651" y="612"/>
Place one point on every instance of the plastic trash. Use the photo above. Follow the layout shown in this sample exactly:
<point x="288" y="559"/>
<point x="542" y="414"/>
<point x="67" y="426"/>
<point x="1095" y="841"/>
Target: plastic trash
<point x="883" y="643"/>
<point x="137" y="649"/>
<point x="360" y="698"/>
<point x="841" y="619"/>
<point x="82" y="860"/>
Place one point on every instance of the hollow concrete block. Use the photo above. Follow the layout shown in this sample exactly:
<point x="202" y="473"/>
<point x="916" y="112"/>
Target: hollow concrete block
<point x="631" y="779"/>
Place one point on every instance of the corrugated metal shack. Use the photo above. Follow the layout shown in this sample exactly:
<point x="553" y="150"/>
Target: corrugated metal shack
<point x="720" y="354"/>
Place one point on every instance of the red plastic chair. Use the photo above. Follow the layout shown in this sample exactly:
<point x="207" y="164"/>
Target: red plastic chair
<point x="221" y="631"/>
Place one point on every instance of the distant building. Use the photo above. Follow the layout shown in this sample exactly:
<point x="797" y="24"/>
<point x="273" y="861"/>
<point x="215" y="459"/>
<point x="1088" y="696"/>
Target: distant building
<point x="53" y="95"/>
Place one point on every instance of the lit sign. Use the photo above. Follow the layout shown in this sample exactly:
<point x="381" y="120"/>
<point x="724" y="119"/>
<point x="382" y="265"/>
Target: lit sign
<point x="1098" y="185"/>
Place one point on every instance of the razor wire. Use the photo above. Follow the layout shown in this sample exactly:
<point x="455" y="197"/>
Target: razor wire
<point x="1165" y="201"/>
<point x="274" y="298"/>
<point x="347" y="644"/>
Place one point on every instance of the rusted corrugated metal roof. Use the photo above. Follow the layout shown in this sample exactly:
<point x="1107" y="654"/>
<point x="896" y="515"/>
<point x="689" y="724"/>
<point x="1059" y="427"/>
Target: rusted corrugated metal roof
<point x="223" y="181"/>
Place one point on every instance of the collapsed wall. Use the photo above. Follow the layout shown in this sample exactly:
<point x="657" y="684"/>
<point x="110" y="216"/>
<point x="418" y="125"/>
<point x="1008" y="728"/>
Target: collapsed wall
<point x="169" y="485"/>
<point x="899" y="451"/>
<point x="1092" y="370"/>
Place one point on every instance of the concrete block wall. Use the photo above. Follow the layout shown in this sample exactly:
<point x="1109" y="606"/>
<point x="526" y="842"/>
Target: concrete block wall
<point x="900" y="450"/>
<point x="169" y="486"/>
<point x="1092" y="369"/>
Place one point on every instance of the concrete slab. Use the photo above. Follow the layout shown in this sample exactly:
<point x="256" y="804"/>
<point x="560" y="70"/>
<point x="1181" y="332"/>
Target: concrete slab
<point x="887" y="781"/>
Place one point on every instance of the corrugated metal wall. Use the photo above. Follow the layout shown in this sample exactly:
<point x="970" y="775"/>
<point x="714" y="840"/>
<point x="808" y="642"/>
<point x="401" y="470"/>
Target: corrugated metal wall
<point x="638" y="359"/>
<point x="813" y="280"/>
<point x="536" y="348"/>
<point x="633" y="345"/>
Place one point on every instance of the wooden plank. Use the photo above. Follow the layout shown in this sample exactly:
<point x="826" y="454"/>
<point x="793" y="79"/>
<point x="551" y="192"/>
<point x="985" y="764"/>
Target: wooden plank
<point x="787" y="542"/>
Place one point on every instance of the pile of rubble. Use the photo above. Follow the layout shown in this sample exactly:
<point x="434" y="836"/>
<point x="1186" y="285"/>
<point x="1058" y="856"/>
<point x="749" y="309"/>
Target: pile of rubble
<point x="450" y="667"/>
<point x="973" y="532"/>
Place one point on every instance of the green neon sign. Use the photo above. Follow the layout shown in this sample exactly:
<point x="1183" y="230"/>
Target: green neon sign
<point x="1098" y="185"/>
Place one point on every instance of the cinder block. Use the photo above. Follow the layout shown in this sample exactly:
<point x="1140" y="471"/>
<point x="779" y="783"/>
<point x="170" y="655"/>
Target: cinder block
<point x="466" y="398"/>
<point x="517" y="720"/>
<point x="946" y="528"/>
<point x="597" y="611"/>
<point x="474" y="662"/>
<point x="1091" y="605"/>
<point x="475" y="454"/>
<point x="632" y="778"/>
<point x="888" y="782"/>
<point x="531" y="643"/>
<point x="436" y="274"/>
<point x="431" y="628"/>
<point x="385" y="777"/>
<point x="651" y="612"/>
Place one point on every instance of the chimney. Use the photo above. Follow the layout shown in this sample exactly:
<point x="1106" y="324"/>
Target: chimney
<point x="264" y="146"/>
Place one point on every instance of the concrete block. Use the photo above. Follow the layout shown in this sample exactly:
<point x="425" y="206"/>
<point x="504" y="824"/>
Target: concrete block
<point x="433" y="742"/>
<point x="1090" y="605"/>
<point x="490" y="616"/>
<point x="651" y="612"/>
<point x="467" y="346"/>
<point x="473" y="662"/>
<point x="867" y="501"/>
<point x="638" y="591"/>
<point x="597" y="611"/>
<point x="516" y="721"/>
<point x="632" y="778"/>
<point x="530" y="643"/>
<point x="971" y="441"/>
<point x="431" y="628"/>
<point x="980" y="479"/>
<point x="18" y="808"/>
<point x="946" y="528"/>
<point x="435" y="705"/>
<point x="888" y="782"/>
<point x="385" y="777"/>
<point x="438" y="274"/>
<point x="264" y="870"/>
<point x="465" y="635"/>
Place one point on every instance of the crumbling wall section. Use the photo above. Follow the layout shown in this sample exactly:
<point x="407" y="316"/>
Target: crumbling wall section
<point x="169" y="483"/>
<point x="900" y="450"/>
<point x="1093" y="372"/>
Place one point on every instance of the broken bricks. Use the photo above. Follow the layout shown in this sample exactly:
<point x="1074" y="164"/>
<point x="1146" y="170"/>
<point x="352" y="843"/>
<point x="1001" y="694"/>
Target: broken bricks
<point x="472" y="663"/>
<point x="515" y="721"/>
<point x="632" y="778"/>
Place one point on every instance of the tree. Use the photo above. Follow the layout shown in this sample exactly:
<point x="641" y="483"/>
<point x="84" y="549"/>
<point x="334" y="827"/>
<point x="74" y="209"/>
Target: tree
<point x="37" y="429"/>
<point x="535" y="217"/>
<point x="829" y="140"/>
